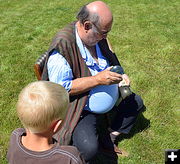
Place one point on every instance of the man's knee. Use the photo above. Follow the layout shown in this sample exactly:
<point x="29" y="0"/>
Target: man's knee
<point x="86" y="141"/>
<point x="89" y="151"/>
<point x="134" y="103"/>
<point x="139" y="102"/>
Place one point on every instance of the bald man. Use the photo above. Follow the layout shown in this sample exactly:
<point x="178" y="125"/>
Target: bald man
<point x="80" y="60"/>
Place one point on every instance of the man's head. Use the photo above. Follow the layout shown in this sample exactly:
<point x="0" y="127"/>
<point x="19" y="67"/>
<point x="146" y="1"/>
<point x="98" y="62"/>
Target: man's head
<point x="41" y="104"/>
<point x="95" y="21"/>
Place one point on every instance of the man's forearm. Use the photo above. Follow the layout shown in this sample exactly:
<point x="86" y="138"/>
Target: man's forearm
<point x="84" y="84"/>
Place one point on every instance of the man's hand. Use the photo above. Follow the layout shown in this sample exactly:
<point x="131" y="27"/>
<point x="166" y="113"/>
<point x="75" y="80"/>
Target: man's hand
<point x="84" y="84"/>
<point x="126" y="80"/>
<point x="108" y="77"/>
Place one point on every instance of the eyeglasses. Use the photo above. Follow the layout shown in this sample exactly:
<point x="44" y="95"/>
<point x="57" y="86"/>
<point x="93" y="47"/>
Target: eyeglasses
<point x="99" y="31"/>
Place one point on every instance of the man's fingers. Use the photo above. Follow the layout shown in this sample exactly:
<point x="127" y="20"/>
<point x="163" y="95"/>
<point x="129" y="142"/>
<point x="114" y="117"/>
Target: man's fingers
<point x="109" y="68"/>
<point x="114" y="74"/>
<point x="115" y="77"/>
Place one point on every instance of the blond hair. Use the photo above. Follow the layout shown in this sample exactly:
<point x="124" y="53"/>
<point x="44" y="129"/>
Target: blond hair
<point x="40" y="103"/>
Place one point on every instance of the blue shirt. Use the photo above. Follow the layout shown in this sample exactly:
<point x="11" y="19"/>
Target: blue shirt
<point x="102" y="98"/>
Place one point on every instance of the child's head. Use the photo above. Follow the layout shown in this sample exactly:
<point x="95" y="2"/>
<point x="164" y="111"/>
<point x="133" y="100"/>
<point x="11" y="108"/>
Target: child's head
<point x="40" y="103"/>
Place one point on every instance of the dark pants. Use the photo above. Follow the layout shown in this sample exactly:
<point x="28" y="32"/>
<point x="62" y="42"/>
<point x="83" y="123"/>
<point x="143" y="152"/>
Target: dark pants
<point x="85" y="136"/>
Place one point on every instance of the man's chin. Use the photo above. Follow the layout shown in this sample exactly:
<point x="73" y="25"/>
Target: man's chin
<point x="94" y="43"/>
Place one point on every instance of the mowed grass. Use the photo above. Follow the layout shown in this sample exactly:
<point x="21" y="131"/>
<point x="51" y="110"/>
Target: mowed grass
<point x="145" y="36"/>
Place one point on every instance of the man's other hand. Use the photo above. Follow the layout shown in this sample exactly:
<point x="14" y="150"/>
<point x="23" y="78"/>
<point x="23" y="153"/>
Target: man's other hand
<point x="108" y="77"/>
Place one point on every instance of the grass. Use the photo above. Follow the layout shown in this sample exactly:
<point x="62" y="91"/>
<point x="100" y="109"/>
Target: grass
<point x="145" y="38"/>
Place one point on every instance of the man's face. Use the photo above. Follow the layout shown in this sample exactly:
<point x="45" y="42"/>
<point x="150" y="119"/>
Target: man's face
<point x="97" y="33"/>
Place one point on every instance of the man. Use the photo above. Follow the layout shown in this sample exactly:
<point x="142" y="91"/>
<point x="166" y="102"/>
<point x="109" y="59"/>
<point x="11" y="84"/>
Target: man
<point x="80" y="60"/>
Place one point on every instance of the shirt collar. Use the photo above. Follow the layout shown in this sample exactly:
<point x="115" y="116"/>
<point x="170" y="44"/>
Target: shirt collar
<point x="87" y="56"/>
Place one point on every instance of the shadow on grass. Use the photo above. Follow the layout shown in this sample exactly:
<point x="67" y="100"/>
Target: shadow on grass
<point x="105" y="159"/>
<point x="141" y="124"/>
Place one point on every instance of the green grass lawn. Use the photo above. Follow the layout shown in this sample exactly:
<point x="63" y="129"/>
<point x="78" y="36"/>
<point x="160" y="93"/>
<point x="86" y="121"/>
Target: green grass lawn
<point x="145" y="36"/>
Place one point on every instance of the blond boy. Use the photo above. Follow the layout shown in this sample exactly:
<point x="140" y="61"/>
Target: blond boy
<point x="41" y="108"/>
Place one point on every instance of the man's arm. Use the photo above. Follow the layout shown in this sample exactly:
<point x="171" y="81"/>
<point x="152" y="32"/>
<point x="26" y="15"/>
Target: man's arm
<point x="60" y="72"/>
<point x="106" y="77"/>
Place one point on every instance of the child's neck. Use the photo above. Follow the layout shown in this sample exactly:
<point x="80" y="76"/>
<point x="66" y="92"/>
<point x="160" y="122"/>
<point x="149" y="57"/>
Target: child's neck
<point x="37" y="142"/>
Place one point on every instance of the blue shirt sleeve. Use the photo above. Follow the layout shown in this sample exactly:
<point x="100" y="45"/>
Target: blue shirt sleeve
<point x="59" y="71"/>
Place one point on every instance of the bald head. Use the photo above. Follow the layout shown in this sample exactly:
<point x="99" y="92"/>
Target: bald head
<point x="101" y="9"/>
<point x="97" y="12"/>
<point x="94" y="22"/>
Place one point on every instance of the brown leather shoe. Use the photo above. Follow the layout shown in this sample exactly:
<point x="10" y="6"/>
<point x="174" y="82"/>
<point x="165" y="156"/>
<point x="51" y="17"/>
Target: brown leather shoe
<point x="118" y="151"/>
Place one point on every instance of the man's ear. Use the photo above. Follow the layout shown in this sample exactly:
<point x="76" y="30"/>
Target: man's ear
<point x="87" y="25"/>
<point x="57" y="126"/>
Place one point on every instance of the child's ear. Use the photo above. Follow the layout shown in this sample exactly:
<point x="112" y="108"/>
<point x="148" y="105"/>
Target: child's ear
<point x="57" y="126"/>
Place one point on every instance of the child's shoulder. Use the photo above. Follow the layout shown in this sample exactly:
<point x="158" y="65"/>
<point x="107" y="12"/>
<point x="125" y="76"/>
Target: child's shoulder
<point x="16" y="134"/>
<point x="18" y="131"/>
<point x="71" y="150"/>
